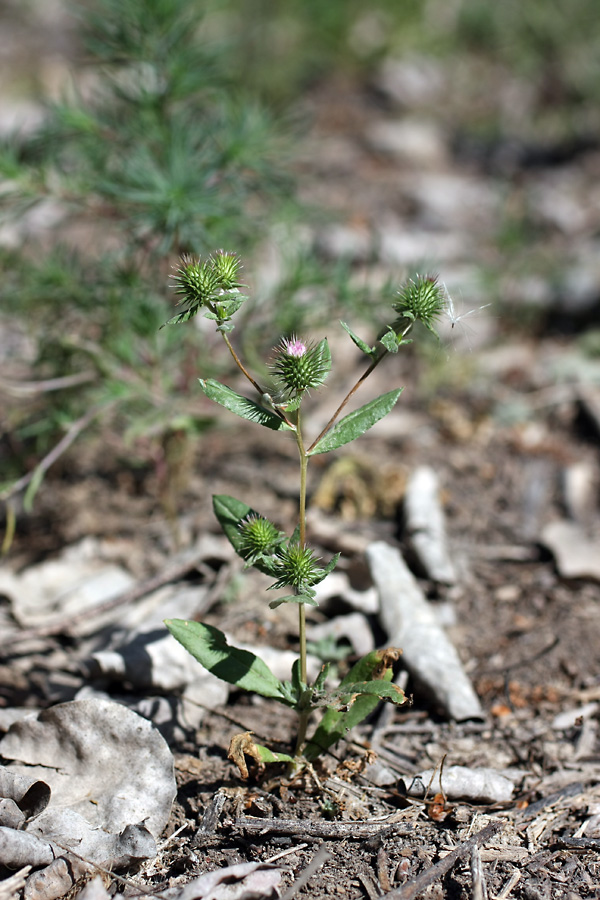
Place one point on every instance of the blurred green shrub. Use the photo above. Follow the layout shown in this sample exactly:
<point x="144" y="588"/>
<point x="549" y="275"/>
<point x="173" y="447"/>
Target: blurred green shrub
<point x="155" y="152"/>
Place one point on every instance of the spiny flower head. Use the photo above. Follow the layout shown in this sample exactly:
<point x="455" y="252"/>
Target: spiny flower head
<point x="196" y="281"/>
<point x="212" y="285"/>
<point x="299" y="366"/>
<point x="296" y="567"/>
<point x="422" y="299"/>
<point x="259" y="538"/>
<point x="226" y="267"/>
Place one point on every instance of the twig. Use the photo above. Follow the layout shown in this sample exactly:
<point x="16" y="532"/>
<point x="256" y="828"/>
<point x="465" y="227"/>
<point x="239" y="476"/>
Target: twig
<point x="282" y="853"/>
<point x="320" y="857"/>
<point x="73" y="431"/>
<point x="479" y="886"/>
<point x="138" y="888"/>
<point x="368" y="885"/>
<point x="172" y="572"/>
<point x="412" y="888"/>
<point x="383" y="865"/>
<point x="328" y="830"/>
<point x="31" y="388"/>
<point x="510" y="884"/>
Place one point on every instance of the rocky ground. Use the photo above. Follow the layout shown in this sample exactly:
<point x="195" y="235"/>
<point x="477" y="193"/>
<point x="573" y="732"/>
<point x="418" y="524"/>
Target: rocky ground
<point x="507" y="418"/>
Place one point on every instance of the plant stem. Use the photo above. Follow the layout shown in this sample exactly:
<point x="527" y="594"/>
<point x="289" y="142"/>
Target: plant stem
<point x="302" y="538"/>
<point x="261" y="391"/>
<point x="241" y="366"/>
<point x="352" y="391"/>
<point x="303" y="714"/>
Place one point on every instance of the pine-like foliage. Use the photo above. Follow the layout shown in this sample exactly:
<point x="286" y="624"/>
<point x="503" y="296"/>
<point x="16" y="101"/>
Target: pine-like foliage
<point x="154" y="153"/>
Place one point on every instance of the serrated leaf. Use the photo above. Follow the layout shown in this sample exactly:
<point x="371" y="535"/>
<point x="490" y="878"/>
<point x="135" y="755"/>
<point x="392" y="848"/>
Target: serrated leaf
<point x="373" y="669"/>
<point x="240" y="667"/>
<point x="242" y="406"/>
<point x="357" y="422"/>
<point x="184" y="316"/>
<point x="362" y="345"/>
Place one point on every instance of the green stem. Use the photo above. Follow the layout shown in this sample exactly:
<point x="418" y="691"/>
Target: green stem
<point x="304" y="714"/>
<point x="241" y="366"/>
<point x="353" y="390"/>
<point x="261" y="391"/>
<point x="302" y="538"/>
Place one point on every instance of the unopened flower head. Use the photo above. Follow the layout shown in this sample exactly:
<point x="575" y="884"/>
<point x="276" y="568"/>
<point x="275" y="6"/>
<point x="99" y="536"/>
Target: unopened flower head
<point x="299" y="366"/>
<point x="297" y="567"/>
<point x="258" y="537"/>
<point x="421" y="299"/>
<point x="197" y="281"/>
<point x="226" y="267"/>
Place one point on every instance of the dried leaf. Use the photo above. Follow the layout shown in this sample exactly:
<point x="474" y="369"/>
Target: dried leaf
<point x="239" y="746"/>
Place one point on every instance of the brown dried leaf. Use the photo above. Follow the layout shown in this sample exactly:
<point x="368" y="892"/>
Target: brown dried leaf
<point x="239" y="746"/>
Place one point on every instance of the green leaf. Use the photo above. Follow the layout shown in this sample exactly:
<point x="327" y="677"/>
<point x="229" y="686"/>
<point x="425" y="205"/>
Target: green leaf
<point x="327" y="569"/>
<point x="242" y="406"/>
<point x="369" y="679"/>
<point x="357" y="422"/>
<point x="381" y="689"/>
<point x="240" y="667"/>
<point x="230" y="512"/>
<point x="293" y="598"/>
<point x="370" y="351"/>
<point x="268" y="756"/>
<point x="319" y="684"/>
<point x="390" y="341"/>
<point x="323" y="354"/>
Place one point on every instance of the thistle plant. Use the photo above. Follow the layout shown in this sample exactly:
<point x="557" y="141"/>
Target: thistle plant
<point x="213" y="287"/>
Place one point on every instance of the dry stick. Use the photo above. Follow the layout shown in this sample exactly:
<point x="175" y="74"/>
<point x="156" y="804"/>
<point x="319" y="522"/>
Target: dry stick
<point x="357" y="830"/>
<point x="31" y="388"/>
<point x="510" y="884"/>
<point x="73" y="431"/>
<point x="479" y="886"/>
<point x="173" y="572"/>
<point x="320" y="857"/>
<point x="412" y="888"/>
<point x="138" y="888"/>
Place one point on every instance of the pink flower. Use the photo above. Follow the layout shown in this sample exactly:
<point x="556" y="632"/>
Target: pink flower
<point x="294" y="347"/>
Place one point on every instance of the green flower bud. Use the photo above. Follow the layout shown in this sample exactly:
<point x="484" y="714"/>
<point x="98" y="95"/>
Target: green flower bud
<point x="297" y="567"/>
<point x="196" y="281"/>
<point x="226" y="267"/>
<point x="212" y="285"/>
<point x="259" y="538"/>
<point x="300" y="366"/>
<point x="421" y="300"/>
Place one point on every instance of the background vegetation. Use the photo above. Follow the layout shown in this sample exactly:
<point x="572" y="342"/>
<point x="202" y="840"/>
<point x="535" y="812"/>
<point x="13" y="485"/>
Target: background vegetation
<point x="178" y="133"/>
